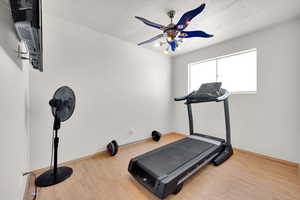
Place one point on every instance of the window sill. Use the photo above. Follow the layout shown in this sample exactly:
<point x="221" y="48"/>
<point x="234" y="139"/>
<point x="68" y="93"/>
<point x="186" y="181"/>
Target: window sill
<point x="234" y="93"/>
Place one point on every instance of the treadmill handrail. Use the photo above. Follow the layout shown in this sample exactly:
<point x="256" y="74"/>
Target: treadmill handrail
<point x="184" y="97"/>
<point x="190" y="101"/>
<point x="224" y="96"/>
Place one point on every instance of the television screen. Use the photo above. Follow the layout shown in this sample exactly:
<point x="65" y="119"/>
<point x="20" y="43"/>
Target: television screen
<point x="27" y="16"/>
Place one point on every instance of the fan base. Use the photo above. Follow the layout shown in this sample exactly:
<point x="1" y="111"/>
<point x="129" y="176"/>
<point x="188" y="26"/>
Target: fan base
<point x="48" y="178"/>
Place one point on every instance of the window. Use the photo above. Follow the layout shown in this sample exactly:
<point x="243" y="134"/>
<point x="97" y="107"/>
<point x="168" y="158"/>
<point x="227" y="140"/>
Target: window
<point x="237" y="72"/>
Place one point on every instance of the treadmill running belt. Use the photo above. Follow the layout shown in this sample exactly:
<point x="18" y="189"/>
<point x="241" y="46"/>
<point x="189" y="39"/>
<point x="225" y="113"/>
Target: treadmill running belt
<point x="168" y="158"/>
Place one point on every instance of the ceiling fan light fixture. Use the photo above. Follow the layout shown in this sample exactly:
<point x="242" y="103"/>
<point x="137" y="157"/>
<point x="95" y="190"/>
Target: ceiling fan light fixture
<point x="157" y="44"/>
<point x="166" y="51"/>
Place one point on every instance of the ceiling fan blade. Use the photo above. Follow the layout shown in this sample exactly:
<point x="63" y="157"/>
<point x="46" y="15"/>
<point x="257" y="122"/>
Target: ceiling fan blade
<point x="188" y="16"/>
<point x="149" y="23"/>
<point x="189" y="34"/>
<point x="173" y="45"/>
<point x="152" y="39"/>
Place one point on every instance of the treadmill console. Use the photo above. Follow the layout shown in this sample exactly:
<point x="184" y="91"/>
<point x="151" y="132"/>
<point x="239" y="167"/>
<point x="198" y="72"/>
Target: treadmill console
<point x="209" y="89"/>
<point x="208" y="92"/>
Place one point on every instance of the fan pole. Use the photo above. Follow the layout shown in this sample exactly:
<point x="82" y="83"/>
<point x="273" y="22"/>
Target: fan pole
<point x="56" y="127"/>
<point x="171" y="14"/>
<point x="57" y="174"/>
<point x="56" y="141"/>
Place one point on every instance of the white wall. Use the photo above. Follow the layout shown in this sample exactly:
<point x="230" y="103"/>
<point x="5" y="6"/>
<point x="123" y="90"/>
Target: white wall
<point x="13" y="117"/>
<point x="119" y="86"/>
<point x="266" y="122"/>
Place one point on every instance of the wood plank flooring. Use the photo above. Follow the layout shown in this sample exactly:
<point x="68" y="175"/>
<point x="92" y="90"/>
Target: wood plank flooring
<point x="243" y="177"/>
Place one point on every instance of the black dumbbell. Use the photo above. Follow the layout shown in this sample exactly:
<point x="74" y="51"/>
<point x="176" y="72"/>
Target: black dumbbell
<point x="156" y="136"/>
<point x="112" y="148"/>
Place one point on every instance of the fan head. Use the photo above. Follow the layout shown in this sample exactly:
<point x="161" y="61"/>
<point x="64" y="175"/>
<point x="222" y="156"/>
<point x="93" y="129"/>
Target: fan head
<point x="63" y="103"/>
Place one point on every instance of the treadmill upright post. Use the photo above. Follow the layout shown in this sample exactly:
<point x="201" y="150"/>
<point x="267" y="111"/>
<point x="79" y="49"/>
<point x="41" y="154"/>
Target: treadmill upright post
<point x="227" y="122"/>
<point x="190" y="114"/>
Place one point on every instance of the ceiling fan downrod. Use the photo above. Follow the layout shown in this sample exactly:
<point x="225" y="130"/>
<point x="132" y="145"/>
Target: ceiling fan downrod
<point x="171" y="14"/>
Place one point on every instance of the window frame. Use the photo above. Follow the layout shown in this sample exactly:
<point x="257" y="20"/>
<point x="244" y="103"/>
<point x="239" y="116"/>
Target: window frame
<point x="218" y="58"/>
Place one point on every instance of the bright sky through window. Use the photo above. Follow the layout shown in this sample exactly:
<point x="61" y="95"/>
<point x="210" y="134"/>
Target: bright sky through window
<point x="237" y="72"/>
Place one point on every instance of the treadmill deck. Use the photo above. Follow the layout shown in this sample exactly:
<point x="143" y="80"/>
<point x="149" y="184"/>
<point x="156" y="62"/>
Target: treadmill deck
<point x="166" y="159"/>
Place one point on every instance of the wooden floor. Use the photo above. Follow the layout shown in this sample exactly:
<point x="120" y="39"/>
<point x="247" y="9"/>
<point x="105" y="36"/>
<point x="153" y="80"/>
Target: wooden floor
<point x="243" y="177"/>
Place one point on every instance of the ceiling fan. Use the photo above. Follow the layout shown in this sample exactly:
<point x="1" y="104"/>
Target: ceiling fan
<point x="174" y="33"/>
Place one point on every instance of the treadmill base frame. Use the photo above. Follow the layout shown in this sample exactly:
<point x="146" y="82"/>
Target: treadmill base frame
<point x="163" y="185"/>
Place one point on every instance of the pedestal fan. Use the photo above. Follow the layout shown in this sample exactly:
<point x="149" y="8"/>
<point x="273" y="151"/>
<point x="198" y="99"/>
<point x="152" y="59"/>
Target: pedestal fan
<point x="62" y="106"/>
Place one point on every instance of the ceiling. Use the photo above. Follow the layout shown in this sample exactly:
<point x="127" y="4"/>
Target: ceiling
<point x="225" y="19"/>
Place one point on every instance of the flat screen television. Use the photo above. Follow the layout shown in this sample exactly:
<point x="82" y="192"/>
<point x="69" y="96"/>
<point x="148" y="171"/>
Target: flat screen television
<point x="27" y="17"/>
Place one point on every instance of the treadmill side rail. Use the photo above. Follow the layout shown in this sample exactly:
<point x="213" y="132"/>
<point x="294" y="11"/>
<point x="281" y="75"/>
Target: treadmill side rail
<point x="166" y="184"/>
<point x="205" y="139"/>
<point x="223" y="156"/>
<point x="196" y="169"/>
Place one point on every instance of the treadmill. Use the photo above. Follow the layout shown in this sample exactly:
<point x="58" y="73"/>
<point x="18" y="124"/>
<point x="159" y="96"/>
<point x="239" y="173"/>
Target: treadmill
<point x="164" y="170"/>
